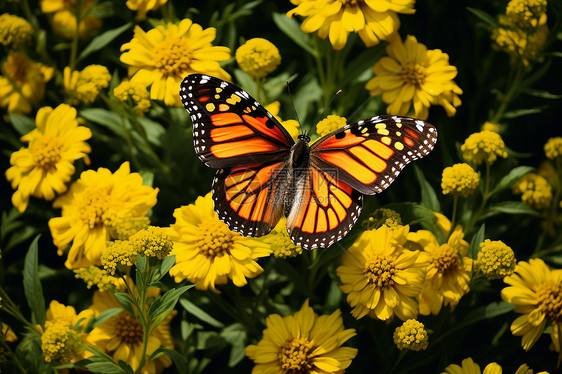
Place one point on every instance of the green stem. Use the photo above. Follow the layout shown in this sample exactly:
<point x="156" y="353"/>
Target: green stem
<point x="129" y="141"/>
<point x="401" y="355"/>
<point x="27" y="11"/>
<point x="485" y="196"/>
<point x="511" y="91"/>
<point x="259" y="83"/>
<point x="11" y="308"/>
<point x="13" y="358"/>
<point x="143" y="317"/>
<point x="454" y="216"/>
<point x="74" y="46"/>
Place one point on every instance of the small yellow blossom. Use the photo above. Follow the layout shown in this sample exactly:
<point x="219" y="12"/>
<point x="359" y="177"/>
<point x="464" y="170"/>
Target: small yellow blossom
<point x="535" y="191"/>
<point x="208" y="253"/>
<point x="290" y="125"/>
<point x="483" y="146"/>
<point x="380" y="277"/>
<point x="383" y="216"/>
<point x="258" y="57"/>
<point x="63" y="17"/>
<point x="135" y="94"/>
<point x="122" y="226"/>
<point x="335" y="19"/>
<point x="144" y="6"/>
<point x="8" y="334"/>
<point x="94" y="276"/>
<point x="329" y="124"/>
<point x="281" y="244"/>
<point x="468" y="366"/>
<point x="22" y="85"/>
<point x="152" y="242"/>
<point x="536" y="291"/>
<point x="412" y="78"/>
<point x="491" y="126"/>
<point x="85" y="86"/>
<point x="411" y="335"/>
<point x="118" y="255"/>
<point x="163" y="56"/>
<point x="303" y="343"/>
<point x="459" y="179"/>
<point x="15" y="32"/>
<point x="43" y="169"/>
<point x="526" y="13"/>
<point x="553" y="148"/>
<point x="495" y="259"/>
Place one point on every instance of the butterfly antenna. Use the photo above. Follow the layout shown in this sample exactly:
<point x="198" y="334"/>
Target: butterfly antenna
<point x="292" y="102"/>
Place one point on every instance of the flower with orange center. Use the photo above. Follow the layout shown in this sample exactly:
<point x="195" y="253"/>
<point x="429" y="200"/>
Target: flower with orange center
<point x="43" y="169"/>
<point x="22" y="85"/>
<point x="163" y="56"/>
<point x="412" y="78"/>
<point x="448" y="270"/>
<point x="380" y="277"/>
<point x="92" y="206"/>
<point x="536" y="291"/>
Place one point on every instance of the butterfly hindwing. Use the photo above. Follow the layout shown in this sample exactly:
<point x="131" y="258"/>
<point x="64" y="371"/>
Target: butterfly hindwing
<point x="322" y="209"/>
<point x="230" y="128"/>
<point x="249" y="198"/>
<point x="368" y="155"/>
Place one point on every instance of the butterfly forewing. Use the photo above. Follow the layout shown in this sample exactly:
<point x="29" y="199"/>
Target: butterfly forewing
<point x="230" y="128"/>
<point x="368" y="155"/>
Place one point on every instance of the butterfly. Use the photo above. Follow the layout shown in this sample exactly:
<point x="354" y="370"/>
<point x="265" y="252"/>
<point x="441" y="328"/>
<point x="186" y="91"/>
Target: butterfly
<point x="263" y="173"/>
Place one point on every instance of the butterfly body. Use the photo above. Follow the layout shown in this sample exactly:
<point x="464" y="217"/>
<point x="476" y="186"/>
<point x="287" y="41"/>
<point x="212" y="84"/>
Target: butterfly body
<point x="263" y="173"/>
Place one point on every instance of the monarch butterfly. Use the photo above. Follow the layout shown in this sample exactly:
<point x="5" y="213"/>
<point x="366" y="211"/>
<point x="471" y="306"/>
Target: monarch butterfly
<point x="264" y="173"/>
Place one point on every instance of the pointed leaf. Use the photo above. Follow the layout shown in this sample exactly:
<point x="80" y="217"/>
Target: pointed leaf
<point x="31" y="284"/>
<point x="428" y="194"/>
<point x="292" y="29"/>
<point x="513" y="176"/>
<point x="103" y="40"/>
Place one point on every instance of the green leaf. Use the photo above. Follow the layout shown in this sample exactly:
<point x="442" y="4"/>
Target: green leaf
<point x="163" y="268"/>
<point x="235" y="335"/>
<point x="488" y="19"/>
<point x="485" y="312"/>
<point x="180" y="362"/>
<point x="103" y="40"/>
<point x="542" y="94"/>
<point x="126" y="301"/>
<point x="523" y="112"/>
<point x="105" y="315"/>
<point x="153" y="130"/>
<point x="510" y="207"/>
<point x="428" y="195"/>
<point x="476" y="240"/>
<point x="361" y="63"/>
<point x="164" y="305"/>
<point x="126" y="367"/>
<point x="199" y="313"/>
<point x="513" y="176"/>
<point x="100" y="362"/>
<point x="103" y="117"/>
<point x="31" y="284"/>
<point x="292" y="29"/>
<point x="22" y="124"/>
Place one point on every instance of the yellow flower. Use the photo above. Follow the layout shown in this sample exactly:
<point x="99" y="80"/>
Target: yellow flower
<point x="372" y="20"/>
<point x="144" y="6"/>
<point x="470" y="367"/>
<point x="524" y="369"/>
<point x="303" y="343"/>
<point x="85" y="86"/>
<point x="281" y="244"/>
<point x="42" y="169"/>
<point x="383" y="216"/>
<point x="121" y="336"/>
<point x="411" y="335"/>
<point x="459" y="179"/>
<point x="535" y="191"/>
<point x="258" y="57"/>
<point x="207" y="252"/>
<point x="448" y="270"/>
<point x="123" y="226"/>
<point x="536" y="291"/>
<point x="8" y="334"/>
<point x="90" y="206"/>
<point x="329" y="124"/>
<point x="134" y="94"/>
<point x="163" y="56"/>
<point x="483" y="146"/>
<point x="553" y="148"/>
<point x="290" y="125"/>
<point x="64" y="331"/>
<point x="118" y="254"/>
<point x="94" y="276"/>
<point x="495" y="259"/>
<point x="526" y="13"/>
<point x="490" y="126"/>
<point x="380" y="276"/>
<point x="63" y="17"/>
<point x="15" y="32"/>
<point x="412" y="78"/>
<point x="152" y="242"/>
<point x="22" y="85"/>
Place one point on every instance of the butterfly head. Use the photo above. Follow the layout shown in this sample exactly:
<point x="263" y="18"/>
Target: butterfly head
<point x="304" y="137"/>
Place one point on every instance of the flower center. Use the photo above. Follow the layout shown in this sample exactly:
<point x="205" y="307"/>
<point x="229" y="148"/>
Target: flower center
<point x="294" y="356"/>
<point x="549" y="297"/>
<point x="94" y="205"/>
<point x="380" y="272"/>
<point x="128" y="329"/>
<point x="413" y="74"/>
<point x="16" y="67"/>
<point x="349" y="2"/>
<point x="172" y="57"/>
<point x="215" y="239"/>
<point x="445" y="259"/>
<point x="46" y="151"/>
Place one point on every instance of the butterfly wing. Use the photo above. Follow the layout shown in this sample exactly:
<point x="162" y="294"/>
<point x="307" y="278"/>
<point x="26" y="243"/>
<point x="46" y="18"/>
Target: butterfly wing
<point x="230" y="128"/>
<point x="368" y="155"/>
<point x="249" y="198"/>
<point x="321" y="210"/>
